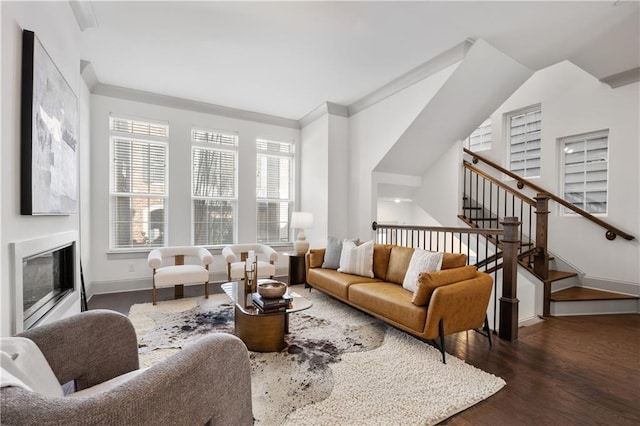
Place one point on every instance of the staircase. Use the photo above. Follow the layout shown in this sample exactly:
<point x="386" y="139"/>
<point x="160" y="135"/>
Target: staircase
<point x="486" y="199"/>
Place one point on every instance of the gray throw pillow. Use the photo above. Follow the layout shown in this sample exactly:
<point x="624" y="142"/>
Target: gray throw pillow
<point x="333" y="252"/>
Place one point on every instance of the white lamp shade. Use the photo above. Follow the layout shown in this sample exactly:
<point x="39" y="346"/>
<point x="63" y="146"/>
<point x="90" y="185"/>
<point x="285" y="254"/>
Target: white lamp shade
<point x="301" y="220"/>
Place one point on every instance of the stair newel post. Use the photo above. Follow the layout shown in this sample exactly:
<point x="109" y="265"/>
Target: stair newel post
<point x="541" y="255"/>
<point x="508" y="327"/>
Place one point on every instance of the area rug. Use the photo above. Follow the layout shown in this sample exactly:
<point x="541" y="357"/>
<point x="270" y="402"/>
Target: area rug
<point x="339" y="367"/>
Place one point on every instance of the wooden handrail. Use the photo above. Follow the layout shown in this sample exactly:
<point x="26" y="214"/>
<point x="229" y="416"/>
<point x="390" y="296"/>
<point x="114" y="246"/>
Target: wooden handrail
<point x="455" y="230"/>
<point x="612" y="231"/>
<point x="499" y="183"/>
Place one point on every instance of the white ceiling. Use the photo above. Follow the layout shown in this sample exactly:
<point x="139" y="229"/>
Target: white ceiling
<point x="287" y="58"/>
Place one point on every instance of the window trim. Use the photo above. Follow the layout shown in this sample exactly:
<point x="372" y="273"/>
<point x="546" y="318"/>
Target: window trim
<point x="147" y="139"/>
<point x="506" y="119"/>
<point x="565" y="212"/>
<point x="291" y="155"/>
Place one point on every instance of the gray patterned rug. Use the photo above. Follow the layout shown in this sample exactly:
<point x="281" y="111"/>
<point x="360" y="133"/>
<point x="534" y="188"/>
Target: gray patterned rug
<point x="340" y="366"/>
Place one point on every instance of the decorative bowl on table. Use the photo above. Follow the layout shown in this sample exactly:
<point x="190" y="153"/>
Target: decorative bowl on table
<point x="271" y="289"/>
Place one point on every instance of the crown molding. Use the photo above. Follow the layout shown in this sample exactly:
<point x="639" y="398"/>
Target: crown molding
<point x="190" y="105"/>
<point x="622" y="78"/>
<point x="88" y="75"/>
<point x="324" y="108"/>
<point x="419" y="73"/>
<point x="84" y="14"/>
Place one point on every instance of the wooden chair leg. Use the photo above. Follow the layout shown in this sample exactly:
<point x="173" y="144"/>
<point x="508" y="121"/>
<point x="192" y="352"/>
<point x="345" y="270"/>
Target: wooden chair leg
<point x="206" y="290"/>
<point x="153" y="289"/>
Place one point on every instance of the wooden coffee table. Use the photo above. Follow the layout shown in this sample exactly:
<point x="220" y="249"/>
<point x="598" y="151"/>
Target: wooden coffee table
<point x="261" y="332"/>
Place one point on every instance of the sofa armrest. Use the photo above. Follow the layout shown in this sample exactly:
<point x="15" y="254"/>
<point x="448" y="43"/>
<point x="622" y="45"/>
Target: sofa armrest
<point x="462" y="306"/>
<point x="208" y="380"/>
<point x="313" y="259"/>
<point x="90" y="347"/>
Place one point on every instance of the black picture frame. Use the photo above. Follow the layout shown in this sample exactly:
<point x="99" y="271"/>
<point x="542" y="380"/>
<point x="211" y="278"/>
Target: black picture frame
<point x="49" y="135"/>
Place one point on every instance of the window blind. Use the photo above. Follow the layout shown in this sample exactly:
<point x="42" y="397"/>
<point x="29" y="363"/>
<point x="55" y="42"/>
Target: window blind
<point x="586" y="166"/>
<point x="480" y="139"/>
<point x="214" y="186"/>
<point x="274" y="190"/>
<point x="138" y="184"/>
<point x="525" y="142"/>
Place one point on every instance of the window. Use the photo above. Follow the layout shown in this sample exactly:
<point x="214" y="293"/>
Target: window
<point x="214" y="165"/>
<point x="480" y="138"/>
<point x="524" y="129"/>
<point x="586" y="164"/>
<point x="274" y="190"/>
<point x="138" y="183"/>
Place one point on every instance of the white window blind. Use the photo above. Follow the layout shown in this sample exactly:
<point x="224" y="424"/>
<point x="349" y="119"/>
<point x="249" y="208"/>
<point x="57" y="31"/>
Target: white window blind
<point x="525" y="140"/>
<point x="214" y="168"/>
<point x="586" y="165"/>
<point x="274" y="190"/>
<point x="480" y="138"/>
<point x="138" y="183"/>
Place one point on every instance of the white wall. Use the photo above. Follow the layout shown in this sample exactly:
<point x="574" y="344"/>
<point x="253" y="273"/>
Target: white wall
<point x="574" y="102"/>
<point x="371" y="133"/>
<point x="314" y="179"/>
<point x="121" y="272"/>
<point x="324" y="189"/>
<point x="55" y="26"/>
<point x="403" y="213"/>
<point x="440" y="194"/>
<point x="338" y="170"/>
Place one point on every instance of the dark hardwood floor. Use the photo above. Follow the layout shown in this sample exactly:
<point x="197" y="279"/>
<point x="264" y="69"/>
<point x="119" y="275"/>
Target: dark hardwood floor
<point x="563" y="371"/>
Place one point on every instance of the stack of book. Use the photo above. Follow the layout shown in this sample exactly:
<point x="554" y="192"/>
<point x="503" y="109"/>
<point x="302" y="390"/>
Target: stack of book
<point x="271" y="305"/>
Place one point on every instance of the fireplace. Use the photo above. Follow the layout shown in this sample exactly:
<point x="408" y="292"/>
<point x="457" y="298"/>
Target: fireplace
<point x="45" y="274"/>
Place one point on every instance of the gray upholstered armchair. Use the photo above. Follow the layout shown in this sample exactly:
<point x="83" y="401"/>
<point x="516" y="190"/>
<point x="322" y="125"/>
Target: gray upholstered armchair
<point x="208" y="382"/>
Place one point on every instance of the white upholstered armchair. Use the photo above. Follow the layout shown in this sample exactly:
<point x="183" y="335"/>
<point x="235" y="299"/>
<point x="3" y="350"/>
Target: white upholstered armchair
<point x="167" y="275"/>
<point x="235" y="256"/>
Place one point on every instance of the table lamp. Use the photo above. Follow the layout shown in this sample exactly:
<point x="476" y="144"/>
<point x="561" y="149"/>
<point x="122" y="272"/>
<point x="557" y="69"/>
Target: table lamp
<point x="301" y="221"/>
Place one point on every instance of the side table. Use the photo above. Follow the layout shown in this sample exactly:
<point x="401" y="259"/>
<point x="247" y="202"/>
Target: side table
<point x="297" y="272"/>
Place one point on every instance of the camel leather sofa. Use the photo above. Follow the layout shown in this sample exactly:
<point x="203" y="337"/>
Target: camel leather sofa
<point x="453" y="299"/>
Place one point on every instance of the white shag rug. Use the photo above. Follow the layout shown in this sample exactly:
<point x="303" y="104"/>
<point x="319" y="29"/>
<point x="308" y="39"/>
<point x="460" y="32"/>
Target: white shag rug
<point x="340" y="366"/>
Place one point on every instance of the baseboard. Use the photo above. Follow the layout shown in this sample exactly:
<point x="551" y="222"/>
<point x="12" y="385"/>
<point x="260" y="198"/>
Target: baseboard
<point x="595" y="307"/>
<point x="623" y="287"/>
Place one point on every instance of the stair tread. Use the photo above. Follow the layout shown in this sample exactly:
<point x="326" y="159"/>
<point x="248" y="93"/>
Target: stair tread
<point x="584" y="293"/>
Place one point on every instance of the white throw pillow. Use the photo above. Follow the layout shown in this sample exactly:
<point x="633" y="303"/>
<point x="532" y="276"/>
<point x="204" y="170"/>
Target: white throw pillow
<point x="421" y="261"/>
<point x="24" y="365"/>
<point x="357" y="260"/>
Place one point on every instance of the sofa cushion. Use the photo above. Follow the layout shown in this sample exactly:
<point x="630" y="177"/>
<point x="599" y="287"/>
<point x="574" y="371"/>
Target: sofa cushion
<point x="316" y="258"/>
<point x="398" y="263"/>
<point x="109" y="384"/>
<point x="421" y="261"/>
<point x="334" y="282"/>
<point x="428" y="282"/>
<point x="381" y="253"/>
<point x="389" y="301"/>
<point x="333" y="252"/>
<point x="357" y="260"/>
<point x="454" y="260"/>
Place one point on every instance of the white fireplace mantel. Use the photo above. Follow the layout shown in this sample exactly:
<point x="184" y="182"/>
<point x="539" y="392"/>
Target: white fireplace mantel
<point x="23" y="249"/>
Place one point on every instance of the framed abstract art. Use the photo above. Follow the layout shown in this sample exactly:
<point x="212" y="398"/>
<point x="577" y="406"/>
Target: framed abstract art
<point x="49" y="135"/>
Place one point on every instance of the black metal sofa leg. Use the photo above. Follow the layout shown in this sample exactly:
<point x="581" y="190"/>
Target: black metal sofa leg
<point x="488" y="330"/>
<point x="441" y="332"/>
